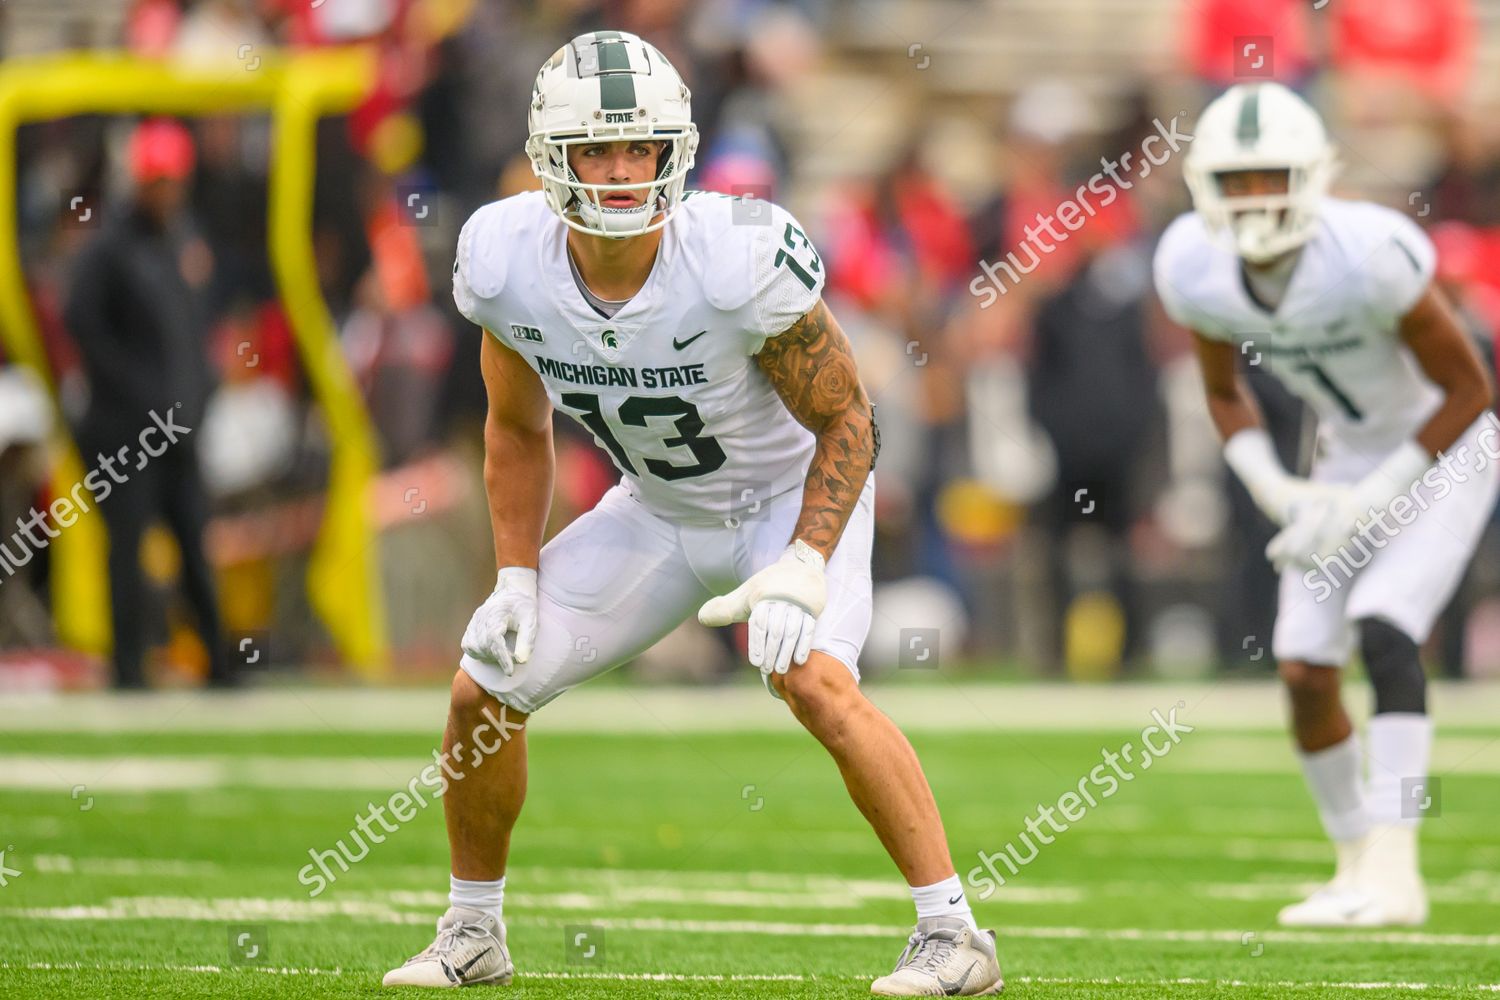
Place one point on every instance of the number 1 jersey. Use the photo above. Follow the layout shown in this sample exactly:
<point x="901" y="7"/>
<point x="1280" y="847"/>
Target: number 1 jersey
<point x="1334" y="339"/>
<point x="669" y="385"/>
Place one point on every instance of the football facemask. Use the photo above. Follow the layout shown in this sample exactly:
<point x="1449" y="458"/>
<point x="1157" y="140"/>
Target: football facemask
<point x="609" y="86"/>
<point x="1260" y="126"/>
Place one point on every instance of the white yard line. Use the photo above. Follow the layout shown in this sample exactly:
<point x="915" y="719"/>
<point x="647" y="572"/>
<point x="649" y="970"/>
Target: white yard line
<point x="292" y="910"/>
<point x="788" y="929"/>
<point x="1286" y="984"/>
<point x="608" y="887"/>
<point x="1101" y="842"/>
<point x="790" y="977"/>
<point x="122" y="908"/>
<point x="62" y="864"/>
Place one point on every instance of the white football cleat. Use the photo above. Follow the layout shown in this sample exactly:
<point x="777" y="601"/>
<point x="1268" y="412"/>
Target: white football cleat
<point x="944" y="957"/>
<point x="1330" y="906"/>
<point x="469" y="950"/>
<point x="1390" y="877"/>
<point x="1334" y="904"/>
<point x="1377" y="884"/>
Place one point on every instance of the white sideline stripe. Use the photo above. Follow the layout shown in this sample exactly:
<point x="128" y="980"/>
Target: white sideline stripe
<point x="187" y="772"/>
<point x="789" y="977"/>
<point x="193" y="772"/>
<point x="943" y="707"/>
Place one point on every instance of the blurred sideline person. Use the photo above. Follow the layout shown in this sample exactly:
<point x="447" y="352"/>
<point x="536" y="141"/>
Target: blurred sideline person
<point x="1091" y="386"/>
<point x="136" y="309"/>
<point x="688" y="335"/>
<point x="1336" y="299"/>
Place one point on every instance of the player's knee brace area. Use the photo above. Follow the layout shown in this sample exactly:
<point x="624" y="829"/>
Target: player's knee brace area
<point x="1394" y="666"/>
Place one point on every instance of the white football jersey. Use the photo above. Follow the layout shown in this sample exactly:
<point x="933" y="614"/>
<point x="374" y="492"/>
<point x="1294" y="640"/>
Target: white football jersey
<point x="668" y="386"/>
<point x="1334" y="338"/>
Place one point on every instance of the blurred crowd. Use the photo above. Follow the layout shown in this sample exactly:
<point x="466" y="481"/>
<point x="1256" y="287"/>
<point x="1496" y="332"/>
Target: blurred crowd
<point x="1050" y="493"/>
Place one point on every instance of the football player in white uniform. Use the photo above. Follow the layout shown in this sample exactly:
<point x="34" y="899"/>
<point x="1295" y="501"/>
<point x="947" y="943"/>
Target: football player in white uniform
<point x="686" y="332"/>
<point x="1336" y="299"/>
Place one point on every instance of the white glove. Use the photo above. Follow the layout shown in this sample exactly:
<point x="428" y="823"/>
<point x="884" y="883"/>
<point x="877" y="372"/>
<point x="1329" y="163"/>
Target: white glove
<point x="1324" y="524"/>
<point x="782" y="603"/>
<point x="1312" y="520"/>
<point x="510" y="608"/>
<point x="1275" y="491"/>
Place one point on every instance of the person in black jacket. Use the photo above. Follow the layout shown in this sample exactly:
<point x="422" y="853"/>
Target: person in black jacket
<point x="136" y="308"/>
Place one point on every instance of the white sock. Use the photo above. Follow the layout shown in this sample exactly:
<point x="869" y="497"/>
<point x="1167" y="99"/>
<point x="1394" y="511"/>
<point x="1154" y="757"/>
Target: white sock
<point x="1400" y="746"/>
<point x="486" y="897"/>
<point x="943" y="899"/>
<point x="1333" y="777"/>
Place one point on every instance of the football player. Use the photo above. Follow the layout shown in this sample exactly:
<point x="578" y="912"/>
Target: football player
<point x="686" y="332"/>
<point x="1335" y="298"/>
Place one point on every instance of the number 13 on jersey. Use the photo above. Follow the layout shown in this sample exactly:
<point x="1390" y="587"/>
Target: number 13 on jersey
<point x="633" y="412"/>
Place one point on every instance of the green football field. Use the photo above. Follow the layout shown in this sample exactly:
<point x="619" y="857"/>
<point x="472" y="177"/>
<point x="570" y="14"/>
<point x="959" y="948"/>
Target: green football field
<point x="698" y="844"/>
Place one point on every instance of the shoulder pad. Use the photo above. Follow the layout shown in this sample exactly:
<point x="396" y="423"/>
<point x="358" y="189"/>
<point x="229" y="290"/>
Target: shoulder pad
<point x="492" y="235"/>
<point x="1183" y="272"/>
<point x="718" y="234"/>
<point x="1181" y="249"/>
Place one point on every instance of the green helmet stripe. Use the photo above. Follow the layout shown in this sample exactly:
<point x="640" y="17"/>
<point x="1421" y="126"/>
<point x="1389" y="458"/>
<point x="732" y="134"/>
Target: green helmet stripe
<point x="617" y="92"/>
<point x="606" y="36"/>
<point x="1248" y="132"/>
<point x="613" y="58"/>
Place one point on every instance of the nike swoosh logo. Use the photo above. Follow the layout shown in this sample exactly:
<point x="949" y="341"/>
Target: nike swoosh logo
<point x="953" y="989"/>
<point x="680" y="344"/>
<point x="463" y="970"/>
<point x="955" y="899"/>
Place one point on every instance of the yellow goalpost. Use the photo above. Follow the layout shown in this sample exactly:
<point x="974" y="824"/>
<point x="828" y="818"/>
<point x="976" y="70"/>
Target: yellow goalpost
<point x="296" y="89"/>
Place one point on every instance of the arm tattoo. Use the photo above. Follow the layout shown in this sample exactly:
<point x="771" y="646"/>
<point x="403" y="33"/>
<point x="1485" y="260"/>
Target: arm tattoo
<point x="811" y="367"/>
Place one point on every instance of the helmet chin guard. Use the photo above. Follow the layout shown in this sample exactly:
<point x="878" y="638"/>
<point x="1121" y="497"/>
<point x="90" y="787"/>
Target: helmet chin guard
<point x="610" y="86"/>
<point x="1260" y="126"/>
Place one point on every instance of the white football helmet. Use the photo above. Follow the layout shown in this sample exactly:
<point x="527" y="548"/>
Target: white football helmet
<point x="604" y="87"/>
<point x="1260" y="126"/>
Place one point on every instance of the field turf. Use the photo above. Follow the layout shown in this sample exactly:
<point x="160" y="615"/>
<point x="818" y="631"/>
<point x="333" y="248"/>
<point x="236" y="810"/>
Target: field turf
<point x="668" y="853"/>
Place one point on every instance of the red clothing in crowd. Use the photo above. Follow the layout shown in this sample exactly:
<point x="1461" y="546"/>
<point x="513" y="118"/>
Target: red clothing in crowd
<point x="1218" y="32"/>
<point x="1426" y="44"/>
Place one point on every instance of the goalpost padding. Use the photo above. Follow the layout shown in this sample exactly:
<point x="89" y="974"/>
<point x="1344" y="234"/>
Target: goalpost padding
<point x="296" y="89"/>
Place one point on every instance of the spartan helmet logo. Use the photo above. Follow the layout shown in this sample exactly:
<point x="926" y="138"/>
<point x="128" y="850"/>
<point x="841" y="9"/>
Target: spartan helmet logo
<point x="610" y="339"/>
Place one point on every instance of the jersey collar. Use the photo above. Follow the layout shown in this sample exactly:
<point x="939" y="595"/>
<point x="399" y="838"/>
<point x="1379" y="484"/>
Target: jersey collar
<point x="606" y="336"/>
